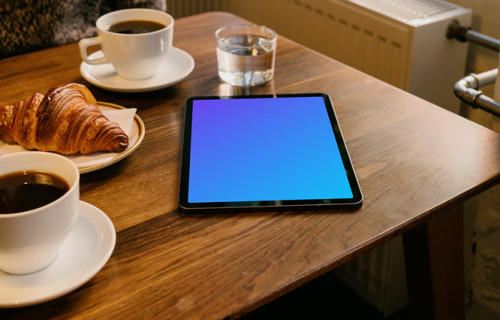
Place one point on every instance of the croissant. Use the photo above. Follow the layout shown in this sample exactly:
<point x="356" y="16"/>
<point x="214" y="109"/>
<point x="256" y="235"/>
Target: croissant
<point x="65" y="120"/>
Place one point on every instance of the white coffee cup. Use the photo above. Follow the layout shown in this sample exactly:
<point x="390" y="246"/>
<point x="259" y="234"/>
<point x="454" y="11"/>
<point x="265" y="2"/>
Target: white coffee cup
<point x="30" y="240"/>
<point x="133" y="56"/>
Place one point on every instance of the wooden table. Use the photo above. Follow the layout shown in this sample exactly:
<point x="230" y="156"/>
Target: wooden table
<point x="416" y="164"/>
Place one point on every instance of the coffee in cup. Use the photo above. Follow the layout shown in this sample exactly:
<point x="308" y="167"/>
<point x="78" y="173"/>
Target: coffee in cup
<point x="39" y="200"/>
<point x="134" y="41"/>
<point x="26" y="190"/>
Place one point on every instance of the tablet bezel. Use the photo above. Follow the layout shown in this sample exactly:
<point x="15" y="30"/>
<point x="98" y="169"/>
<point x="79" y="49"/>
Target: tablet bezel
<point x="345" y="203"/>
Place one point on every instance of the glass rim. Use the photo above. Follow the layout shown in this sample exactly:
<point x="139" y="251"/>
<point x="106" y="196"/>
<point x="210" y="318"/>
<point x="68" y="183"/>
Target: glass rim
<point x="273" y="33"/>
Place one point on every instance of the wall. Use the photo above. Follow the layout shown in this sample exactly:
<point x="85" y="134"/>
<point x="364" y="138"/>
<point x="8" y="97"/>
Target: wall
<point x="486" y="19"/>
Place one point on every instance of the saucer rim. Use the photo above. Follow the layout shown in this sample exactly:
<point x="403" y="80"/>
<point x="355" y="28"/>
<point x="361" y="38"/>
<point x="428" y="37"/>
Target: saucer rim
<point x="103" y="225"/>
<point x="180" y="54"/>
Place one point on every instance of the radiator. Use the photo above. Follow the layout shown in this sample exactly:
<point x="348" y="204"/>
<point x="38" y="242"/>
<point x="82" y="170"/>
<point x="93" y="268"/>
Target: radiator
<point x="401" y="42"/>
<point x="398" y="41"/>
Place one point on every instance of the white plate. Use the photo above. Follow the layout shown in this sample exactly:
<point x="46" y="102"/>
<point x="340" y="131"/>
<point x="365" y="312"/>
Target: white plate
<point x="178" y="65"/>
<point x="98" y="160"/>
<point x="83" y="254"/>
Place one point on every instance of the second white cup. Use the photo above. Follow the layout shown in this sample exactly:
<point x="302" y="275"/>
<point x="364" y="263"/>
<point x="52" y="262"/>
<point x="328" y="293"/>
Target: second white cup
<point x="134" y="41"/>
<point x="30" y="239"/>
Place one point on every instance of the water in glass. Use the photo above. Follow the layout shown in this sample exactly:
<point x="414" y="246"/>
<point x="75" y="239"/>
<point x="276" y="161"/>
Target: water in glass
<point x="246" y="60"/>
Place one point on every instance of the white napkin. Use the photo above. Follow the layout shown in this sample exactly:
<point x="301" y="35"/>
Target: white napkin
<point x="123" y="117"/>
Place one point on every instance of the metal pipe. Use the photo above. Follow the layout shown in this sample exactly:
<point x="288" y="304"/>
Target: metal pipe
<point x="467" y="90"/>
<point x="463" y="34"/>
<point x="484" y="40"/>
<point x="486" y="77"/>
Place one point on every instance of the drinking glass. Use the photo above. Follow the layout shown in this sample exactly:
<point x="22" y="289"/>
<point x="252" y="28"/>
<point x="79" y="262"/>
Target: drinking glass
<point x="246" y="54"/>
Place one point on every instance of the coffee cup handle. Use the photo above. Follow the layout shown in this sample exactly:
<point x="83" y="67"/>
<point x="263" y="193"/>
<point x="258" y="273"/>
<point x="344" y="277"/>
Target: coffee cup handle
<point x="89" y="42"/>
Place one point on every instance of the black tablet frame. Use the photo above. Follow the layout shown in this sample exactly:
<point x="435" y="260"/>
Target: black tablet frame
<point x="316" y="204"/>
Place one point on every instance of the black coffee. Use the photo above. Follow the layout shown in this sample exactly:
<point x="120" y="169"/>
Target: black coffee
<point x="136" y="27"/>
<point x="26" y="190"/>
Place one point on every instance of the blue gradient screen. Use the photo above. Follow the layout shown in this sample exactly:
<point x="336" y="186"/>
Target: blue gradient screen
<point x="264" y="149"/>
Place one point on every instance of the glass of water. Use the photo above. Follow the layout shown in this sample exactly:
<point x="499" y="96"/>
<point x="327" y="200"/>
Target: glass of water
<point x="245" y="54"/>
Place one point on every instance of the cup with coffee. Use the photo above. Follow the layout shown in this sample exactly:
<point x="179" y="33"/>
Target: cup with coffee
<point x="39" y="201"/>
<point x="134" y="41"/>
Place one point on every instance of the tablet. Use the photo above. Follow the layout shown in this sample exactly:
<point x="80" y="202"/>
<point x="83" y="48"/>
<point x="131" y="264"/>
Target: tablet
<point x="265" y="152"/>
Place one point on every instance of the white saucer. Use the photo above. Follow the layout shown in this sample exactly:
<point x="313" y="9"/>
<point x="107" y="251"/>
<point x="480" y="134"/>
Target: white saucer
<point x="84" y="253"/>
<point x="178" y="65"/>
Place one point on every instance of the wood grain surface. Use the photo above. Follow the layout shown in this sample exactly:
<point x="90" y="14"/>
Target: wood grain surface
<point x="415" y="161"/>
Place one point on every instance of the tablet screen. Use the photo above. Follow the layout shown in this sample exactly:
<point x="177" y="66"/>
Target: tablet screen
<point x="265" y="152"/>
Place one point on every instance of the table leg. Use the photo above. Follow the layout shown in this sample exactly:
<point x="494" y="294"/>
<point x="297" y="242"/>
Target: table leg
<point x="434" y="258"/>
